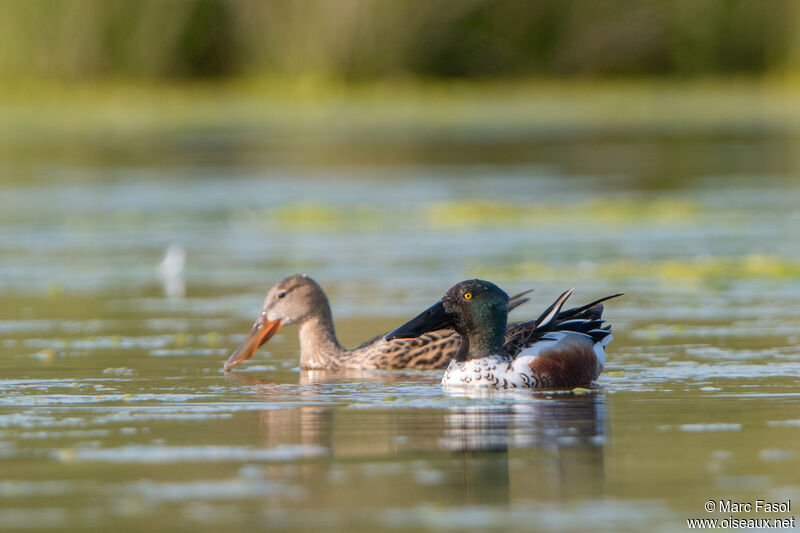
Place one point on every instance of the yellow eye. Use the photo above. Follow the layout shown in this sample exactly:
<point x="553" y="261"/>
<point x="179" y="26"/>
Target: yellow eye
<point x="468" y="296"/>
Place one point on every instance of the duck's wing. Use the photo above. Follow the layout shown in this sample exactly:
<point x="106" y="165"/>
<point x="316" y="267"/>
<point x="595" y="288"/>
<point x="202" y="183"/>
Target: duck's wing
<point x="432" y="350"/>
<point x="585" y="320"/>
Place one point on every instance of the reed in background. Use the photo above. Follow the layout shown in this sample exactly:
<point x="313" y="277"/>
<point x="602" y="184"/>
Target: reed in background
<point x="383" y="39"/>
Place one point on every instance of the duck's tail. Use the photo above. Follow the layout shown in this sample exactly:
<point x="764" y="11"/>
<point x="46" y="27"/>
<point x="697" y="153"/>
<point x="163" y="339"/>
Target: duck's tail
<point x="591" y="310"/>
<point x="517" y="300"/>
<point x="585" y="320"/>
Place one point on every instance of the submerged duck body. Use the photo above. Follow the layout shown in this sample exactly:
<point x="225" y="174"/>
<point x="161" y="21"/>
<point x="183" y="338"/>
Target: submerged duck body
<point x="561" y="349"/>
<point x="300" y="300"/>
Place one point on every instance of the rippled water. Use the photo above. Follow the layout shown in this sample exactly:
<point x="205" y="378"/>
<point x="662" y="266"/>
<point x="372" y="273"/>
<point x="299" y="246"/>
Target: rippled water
<point x="114" y="408"/>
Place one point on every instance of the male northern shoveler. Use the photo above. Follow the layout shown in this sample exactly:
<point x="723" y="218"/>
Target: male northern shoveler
<point x="560" y="349"/>
<point x="299" y="299"/>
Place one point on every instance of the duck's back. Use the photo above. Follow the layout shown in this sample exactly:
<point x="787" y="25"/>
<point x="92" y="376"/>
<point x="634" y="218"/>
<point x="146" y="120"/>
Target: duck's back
<point x="429" y="351"/>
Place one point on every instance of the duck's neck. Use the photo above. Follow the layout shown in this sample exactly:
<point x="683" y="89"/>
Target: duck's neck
<point x="319" y="347"/>
<point x="482" y="338"/>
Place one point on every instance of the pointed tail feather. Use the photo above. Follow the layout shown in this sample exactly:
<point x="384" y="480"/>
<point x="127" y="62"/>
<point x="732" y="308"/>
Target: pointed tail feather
<point x="517" y="300"/>
<point x="551" y="312"/>
<point x="575" y="311"/>
<point x="584" y="320"/>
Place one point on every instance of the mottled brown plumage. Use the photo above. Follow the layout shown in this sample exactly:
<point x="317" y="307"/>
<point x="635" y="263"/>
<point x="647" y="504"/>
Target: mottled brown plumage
<point x="300" y="300"/>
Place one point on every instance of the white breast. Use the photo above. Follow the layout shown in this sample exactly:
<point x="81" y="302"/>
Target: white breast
<point x="501" y="372"/>
<point x="494" y="371"/>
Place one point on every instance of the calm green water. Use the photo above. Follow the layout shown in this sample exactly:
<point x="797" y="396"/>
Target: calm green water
<point x="115" y="412"/>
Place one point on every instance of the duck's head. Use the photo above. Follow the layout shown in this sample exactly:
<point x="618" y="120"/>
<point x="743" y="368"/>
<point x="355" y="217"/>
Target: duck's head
<point x="476" y="309"/>
<point x="292" y="300"/>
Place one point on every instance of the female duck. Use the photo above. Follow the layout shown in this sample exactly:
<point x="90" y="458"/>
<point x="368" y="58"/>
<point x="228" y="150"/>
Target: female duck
<point x="561" y="349"/>
<point x="300" y="300"/>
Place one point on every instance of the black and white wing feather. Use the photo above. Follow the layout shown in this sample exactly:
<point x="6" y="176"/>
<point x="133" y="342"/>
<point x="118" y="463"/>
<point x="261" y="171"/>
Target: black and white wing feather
<point x="584" y="320"/>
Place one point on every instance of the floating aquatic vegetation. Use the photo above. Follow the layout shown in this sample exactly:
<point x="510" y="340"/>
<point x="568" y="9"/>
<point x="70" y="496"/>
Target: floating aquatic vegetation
<point x="477" y="213"/>
<point x="316" y="216"/>
<point x="690" y="272"/>
<point x="607" y="212"/>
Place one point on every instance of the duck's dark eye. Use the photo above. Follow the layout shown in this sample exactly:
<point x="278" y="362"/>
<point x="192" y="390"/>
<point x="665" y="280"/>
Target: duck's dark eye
<point x="281" y="294"/>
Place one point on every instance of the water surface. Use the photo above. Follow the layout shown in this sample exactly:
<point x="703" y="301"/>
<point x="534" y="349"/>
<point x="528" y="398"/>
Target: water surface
<point x="114" y="408"/>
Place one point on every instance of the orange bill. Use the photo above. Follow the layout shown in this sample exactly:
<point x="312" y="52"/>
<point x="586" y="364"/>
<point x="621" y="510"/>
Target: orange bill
<point x="261" y="332"/>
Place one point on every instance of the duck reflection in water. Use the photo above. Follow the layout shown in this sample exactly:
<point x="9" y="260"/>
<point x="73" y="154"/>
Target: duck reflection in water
<point x="550" y="448"/>
<point x="505" y="445"/>
<point x="305" y="425"/>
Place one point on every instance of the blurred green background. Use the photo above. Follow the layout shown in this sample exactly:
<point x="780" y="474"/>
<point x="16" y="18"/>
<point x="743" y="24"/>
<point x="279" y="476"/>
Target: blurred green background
<point x="379" y="39"/>
<point x="368" y="81"/>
